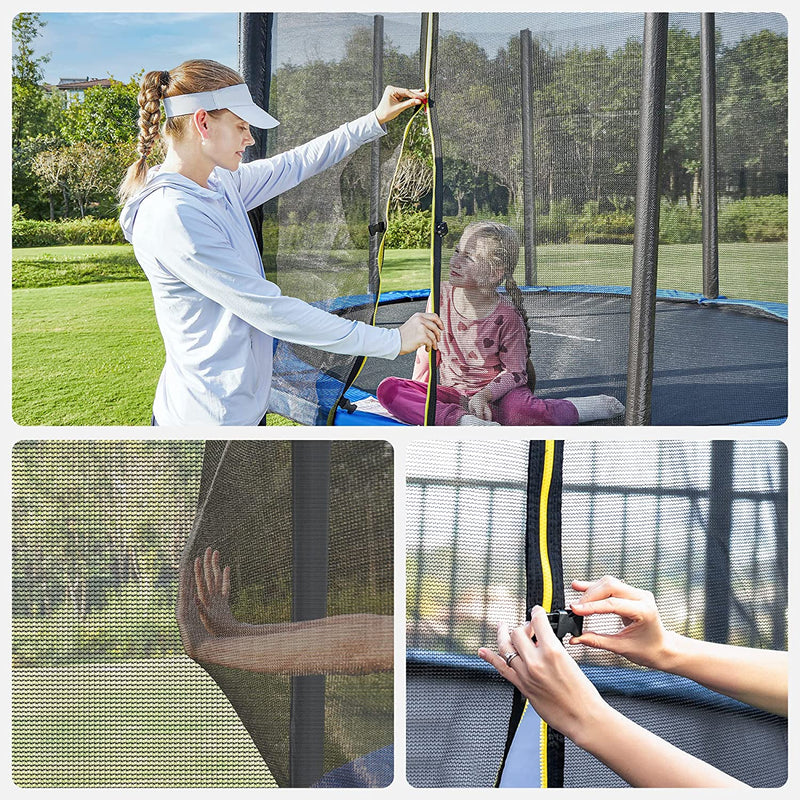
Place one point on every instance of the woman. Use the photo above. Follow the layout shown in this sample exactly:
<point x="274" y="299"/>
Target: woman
<point x="187" y="220"/>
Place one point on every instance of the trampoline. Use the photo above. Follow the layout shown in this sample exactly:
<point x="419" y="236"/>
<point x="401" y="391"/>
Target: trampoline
<point x="541" y="124"/>
<point x="702" y="525"/>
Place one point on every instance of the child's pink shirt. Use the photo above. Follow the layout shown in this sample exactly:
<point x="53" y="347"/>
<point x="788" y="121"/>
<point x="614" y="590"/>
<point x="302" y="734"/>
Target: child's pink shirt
<point x="474" y="353"/>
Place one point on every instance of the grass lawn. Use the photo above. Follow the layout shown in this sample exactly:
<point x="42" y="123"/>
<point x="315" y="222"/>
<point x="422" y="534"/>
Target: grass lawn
<point x="140" y="723"/>
<point x="91" y="353"/>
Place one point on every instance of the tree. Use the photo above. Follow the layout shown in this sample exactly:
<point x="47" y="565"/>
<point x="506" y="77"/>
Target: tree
<point x="32" y="111"/>
<point x="106" y="115"/>
<point x="752" y="113"/>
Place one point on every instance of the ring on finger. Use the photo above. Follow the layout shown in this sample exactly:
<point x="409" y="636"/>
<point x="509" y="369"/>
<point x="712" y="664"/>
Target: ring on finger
<point x="510" y="656"/>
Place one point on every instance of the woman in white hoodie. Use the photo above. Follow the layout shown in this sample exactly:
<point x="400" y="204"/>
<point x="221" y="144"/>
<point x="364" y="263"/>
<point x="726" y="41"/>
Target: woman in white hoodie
<point x="187" y="220"/>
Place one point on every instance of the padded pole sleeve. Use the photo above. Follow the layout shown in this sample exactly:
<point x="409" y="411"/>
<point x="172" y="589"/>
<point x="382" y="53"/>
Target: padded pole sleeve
<point x="528" y="185"/>
<point x="310" y="506"/>
<point x="645" y="239"/>
<point x="708" y="128"/>
<point x="255" y="60"/>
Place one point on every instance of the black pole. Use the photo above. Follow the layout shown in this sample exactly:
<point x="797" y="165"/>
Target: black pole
<point x="708" y="121"/>
<point x="310" y="504"/>
<point x="645" y="239"/>
<point x="375" y="156"/>
<point x="528" y="186"/>
<point x="718" y="543"/>
<point x="255" y="66"/>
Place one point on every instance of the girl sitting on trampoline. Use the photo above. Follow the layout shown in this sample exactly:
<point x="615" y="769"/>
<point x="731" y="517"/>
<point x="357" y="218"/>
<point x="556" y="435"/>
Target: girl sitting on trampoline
<point x="485" y="372"/>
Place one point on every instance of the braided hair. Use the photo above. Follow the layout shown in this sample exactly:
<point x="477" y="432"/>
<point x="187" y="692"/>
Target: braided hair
<point x="505" y="250"/>
<point x="197" y="75"/>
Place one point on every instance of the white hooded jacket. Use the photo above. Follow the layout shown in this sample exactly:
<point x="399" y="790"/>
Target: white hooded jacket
<point x="217" y="313"/>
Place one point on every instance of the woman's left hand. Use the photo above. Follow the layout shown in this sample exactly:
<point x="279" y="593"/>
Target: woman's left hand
<point x="395" y="101"/>
<point x="547" y="675"/>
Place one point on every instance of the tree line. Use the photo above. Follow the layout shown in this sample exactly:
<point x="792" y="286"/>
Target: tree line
<point x="68" y="160"/>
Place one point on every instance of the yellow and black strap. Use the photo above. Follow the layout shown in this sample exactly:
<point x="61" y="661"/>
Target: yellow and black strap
<point x="438" y="226"/>
<point x="545" y="585"/>
<point x="430" y="28"/>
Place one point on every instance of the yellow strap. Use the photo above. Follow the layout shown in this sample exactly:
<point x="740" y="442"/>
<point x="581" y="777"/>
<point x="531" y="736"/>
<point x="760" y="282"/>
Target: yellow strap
<point x="428" y="57"/>
<point x="547" y="573"/>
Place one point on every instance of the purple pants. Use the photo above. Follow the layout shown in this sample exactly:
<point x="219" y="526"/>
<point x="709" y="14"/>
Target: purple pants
<point x="405" y="399"/>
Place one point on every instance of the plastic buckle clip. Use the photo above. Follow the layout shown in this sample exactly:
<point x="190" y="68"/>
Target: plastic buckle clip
<point x="345" y="404"/>
<point x="564" y="623"/>
<point x="377" y="227"/>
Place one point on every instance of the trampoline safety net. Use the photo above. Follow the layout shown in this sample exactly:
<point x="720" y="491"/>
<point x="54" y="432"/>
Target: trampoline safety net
<point x="103" y="693"/>
<point x="700" y="524"/>
<point x="538" y="118"/>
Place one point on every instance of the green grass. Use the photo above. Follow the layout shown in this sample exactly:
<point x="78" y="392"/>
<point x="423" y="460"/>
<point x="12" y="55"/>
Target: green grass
<point x="135" y="724"/>
<point x="37" y="267"/>
<point x="91" y="354"/>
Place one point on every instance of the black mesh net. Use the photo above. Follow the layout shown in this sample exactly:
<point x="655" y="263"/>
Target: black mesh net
<point x="102" y="691"/>
<point x="701" y="525"/>
<point x="573" y="83"/>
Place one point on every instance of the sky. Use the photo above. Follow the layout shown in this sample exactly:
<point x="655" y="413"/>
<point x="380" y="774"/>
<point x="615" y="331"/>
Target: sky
<point x="98" y="45"/>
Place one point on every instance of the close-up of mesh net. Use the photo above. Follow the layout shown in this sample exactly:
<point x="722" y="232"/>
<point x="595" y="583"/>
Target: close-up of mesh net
<point x="539" y="127"/>
<point x="103" y="693"/>
<point x="702" y="525"/>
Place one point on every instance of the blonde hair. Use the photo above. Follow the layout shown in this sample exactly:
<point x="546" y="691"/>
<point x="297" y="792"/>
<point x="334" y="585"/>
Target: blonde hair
<point x="197" y="75"/>
<point x="502" y="247"/>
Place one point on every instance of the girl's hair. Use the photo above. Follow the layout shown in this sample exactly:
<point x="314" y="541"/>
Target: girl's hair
<point x="197" y="75"/>
<point x="503" y="249"/>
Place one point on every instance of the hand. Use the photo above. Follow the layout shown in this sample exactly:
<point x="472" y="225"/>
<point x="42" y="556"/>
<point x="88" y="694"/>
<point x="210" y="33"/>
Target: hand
<point x="420" y="330"/>
<point x="479" y="405"/>
<point x="193" y="632"/>
<point x="395" y="101"/>
<point x="643" y="640"/>
<point x="547" y="675"/>
<point x="213" y="586"/>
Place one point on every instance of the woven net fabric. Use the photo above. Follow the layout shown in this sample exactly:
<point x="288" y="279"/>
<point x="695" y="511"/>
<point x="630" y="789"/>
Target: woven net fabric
<point x="246" y="514"/>
<point x="700" y="524"/>
<point x="103" y="693"/>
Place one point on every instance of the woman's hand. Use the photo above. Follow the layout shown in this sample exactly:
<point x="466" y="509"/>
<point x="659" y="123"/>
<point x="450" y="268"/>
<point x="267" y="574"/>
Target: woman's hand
<point x="479" y="404"/>
<point x="193" y="632"/>
<point x="213" y="585"/>
<point x="643" y="640"/>
<point x="548" y="676"/>
<point x="420" y="330"/>
<point x="395" y="101"/>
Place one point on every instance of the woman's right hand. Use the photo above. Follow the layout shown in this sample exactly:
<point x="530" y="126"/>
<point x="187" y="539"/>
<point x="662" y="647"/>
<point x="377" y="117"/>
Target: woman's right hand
<point x="213" y="587"/>
<point x="643" y="640"/>
<point x="548" y="676"/>
<point x="421" y="330"/>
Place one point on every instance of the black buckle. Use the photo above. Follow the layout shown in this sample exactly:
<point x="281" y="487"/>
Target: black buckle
<point x="441" y="228"/>
<point x="347" y="405"/>
<point x="377" y="227"/>
<point x="563" y="623"/>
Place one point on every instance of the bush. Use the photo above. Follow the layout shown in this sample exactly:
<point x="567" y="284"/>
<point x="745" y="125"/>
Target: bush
<point x="679" y="224"/>
<point x="44" y="233"/>
<point x="409" y="230"/>
<point x="755" y="219"/>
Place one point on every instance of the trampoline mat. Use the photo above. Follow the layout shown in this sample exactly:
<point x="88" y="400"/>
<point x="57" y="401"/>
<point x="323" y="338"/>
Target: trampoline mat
<point x="713" y="364"/>
<point x="457" y="727"/>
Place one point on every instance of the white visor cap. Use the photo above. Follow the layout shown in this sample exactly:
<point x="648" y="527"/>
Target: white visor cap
<point x="237" y="99"/>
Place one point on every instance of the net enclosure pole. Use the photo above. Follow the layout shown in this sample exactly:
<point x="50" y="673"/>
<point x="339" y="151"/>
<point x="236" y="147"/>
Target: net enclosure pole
<point x="708" y="127"/>
<point x="375" y="156"/>
<point x="310" y="513"/>
<point x="528" y="187"/>
<point x="718" y="544"/>
<point x="255" y="59"/>
<point x="645" y="239"/>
